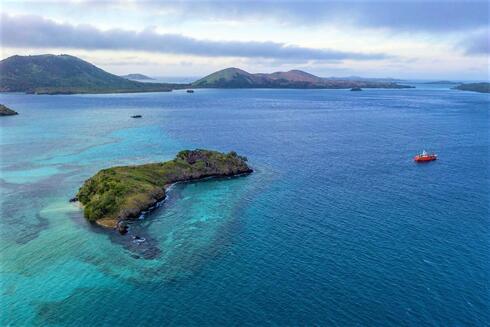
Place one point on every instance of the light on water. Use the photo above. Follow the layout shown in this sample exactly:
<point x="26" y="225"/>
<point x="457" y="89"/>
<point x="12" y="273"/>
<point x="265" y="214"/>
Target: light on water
<point x="336" y="226"/>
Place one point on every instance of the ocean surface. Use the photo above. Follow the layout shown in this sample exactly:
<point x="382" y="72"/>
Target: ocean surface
<point x="337" y="226"/>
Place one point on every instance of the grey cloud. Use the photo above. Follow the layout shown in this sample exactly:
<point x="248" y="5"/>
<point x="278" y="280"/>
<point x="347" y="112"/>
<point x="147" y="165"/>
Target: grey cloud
<point x="398" y="15"/>
<point x="38" y="32"/>
<point x="477" y="43"/>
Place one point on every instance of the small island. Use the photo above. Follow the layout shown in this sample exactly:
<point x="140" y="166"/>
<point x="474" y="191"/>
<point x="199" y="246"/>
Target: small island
<point x="117" y="194"/>
<point x="442" y="82"/>
<point x="5" y="111"/>
<point x="356" y="89"/>
<point x="138" y="77"/>
<point x="474" y="87"/>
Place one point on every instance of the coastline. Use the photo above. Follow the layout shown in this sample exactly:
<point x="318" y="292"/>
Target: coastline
<point x="114" y="223"/>
<point x="117" y="195"/>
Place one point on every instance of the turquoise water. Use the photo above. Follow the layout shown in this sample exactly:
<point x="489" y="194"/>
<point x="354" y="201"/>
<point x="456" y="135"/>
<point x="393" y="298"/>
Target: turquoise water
<point x="336" y="226"/>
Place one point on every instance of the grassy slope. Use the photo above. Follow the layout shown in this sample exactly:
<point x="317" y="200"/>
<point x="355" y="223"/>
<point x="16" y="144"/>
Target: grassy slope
<point x="123" y="192"/>
<point x="226" y="78"/>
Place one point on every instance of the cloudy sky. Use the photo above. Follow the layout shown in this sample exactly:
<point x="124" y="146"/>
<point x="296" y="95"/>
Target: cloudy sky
<point x="406" y="39"/>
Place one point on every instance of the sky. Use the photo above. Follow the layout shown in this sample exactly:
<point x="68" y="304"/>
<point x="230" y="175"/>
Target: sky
<point x="415" y="39"/>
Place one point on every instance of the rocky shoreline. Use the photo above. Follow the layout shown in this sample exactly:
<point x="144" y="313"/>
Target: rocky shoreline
<point x="113" y="196"/>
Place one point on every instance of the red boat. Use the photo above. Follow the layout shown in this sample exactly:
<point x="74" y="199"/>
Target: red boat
<point x="424" y="157"/>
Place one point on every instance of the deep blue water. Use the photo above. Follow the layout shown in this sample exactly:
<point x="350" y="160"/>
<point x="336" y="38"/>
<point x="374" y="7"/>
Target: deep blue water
<point x="337" y="226"/>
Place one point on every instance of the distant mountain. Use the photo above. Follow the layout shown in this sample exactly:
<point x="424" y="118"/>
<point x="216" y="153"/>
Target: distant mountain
<point x="64" y="74"/>
<point x="360" y="78"/>
<point x="238" y="78"/>
<point x="475" y="87"/>
<point x="442" y="82"/>
<point x="298" y="76"/>
<point x="138" y="77"/>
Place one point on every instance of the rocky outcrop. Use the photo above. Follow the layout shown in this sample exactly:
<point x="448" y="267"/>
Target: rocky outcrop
<point x="5" y="111"/>
<point x="120" y="193"/>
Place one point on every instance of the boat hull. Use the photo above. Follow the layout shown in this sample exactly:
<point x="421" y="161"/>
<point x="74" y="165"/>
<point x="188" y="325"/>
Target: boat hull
<point x="425" y="158"/>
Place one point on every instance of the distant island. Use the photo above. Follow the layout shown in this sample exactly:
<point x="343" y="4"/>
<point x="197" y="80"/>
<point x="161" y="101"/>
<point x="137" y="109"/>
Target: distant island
<point x="474" y="87"/>
<point x="5" y="111"/>
<point x="138" y="77"/>
<point x="117" y="194"/>
<point x="293" y="79"/>
<point x="65" y="74"/>
<point x="442" y="82"/>
<point x="360" y="78"/>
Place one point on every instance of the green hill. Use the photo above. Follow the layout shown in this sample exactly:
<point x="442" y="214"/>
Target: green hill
<point x="238" y="78"/>
<point x="227" y="78"/>
<point x="55" y="74"/>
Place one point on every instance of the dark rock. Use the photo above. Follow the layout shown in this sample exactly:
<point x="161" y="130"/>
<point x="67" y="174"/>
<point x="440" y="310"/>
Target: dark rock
<point x="122" y="227"/>
<point x="75" y="199"/>
<point x="356" y="89"/>
<point x="138" y="240"/>
<point x="5" y="111"/>
<point x="136" y="116"/>
<point x="190" y="91"/>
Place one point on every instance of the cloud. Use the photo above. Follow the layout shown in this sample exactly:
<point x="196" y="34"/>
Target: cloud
<point x="433" y="16"/>
<point x="477" y="43"/>
<point x="397" y="15"/>
<point x="37" y="32"/>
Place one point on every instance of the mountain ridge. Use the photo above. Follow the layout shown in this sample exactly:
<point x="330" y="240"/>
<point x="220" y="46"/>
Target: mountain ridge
<point x="233" y="77"/>
<point x="66" y="74"/>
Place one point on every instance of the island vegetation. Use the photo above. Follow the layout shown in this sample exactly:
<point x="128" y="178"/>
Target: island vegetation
<point x="116" y="194"/>
<point x="475" y="87"/>
<point x="6" y="111"/>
